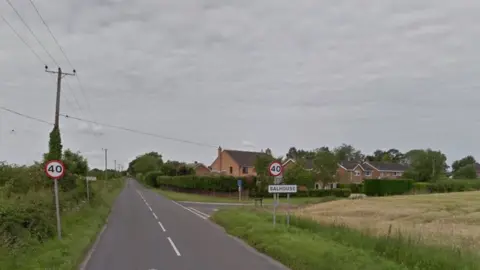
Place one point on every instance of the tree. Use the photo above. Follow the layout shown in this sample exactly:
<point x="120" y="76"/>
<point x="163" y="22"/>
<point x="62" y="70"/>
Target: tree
<point x="295" y="154"/>
<point x="145" y="164"/>
<point x="153" y="156"/>
<point x="348" y="152"/>
<point x="466" y="172"/>
<point x="468" y="160"/>
<point x="425" y="165"/>
<point x="75" y="163"/>
<point x="392" y="155"/>
<point x="298" y="175"/>
<point x="325" y="165"/>
<point x="54" y="145"/>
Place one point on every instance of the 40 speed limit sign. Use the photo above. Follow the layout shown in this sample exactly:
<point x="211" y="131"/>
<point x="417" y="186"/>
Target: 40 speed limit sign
<point x="55" y="169"/>
<point x="275" y="169"/>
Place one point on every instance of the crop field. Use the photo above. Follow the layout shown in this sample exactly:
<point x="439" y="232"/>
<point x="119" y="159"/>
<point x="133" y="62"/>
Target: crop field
<point x="448" y="219"/>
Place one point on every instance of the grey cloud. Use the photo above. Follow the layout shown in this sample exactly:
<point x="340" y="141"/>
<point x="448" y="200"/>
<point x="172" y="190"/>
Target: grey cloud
<point x="277" y="73"/>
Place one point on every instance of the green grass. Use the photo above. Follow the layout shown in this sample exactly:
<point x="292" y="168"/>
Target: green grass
<point x="307" y="245"/>
<point x="79" y="231"/>
<point x="179" y="196"/>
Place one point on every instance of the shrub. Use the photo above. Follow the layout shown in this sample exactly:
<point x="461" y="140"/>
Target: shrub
<point x="385" y="187"/>
<point x="150" y="178"/>
<point x="205" y="183"/>
<point x="354" y="187"/>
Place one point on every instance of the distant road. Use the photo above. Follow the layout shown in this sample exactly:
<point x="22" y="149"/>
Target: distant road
<point x="146" y="231"/>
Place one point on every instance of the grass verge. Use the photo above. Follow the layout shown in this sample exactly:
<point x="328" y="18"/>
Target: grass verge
<point x="307" y="245"/>
<point x="79" y="231"/>
<point x="179" y="196"/>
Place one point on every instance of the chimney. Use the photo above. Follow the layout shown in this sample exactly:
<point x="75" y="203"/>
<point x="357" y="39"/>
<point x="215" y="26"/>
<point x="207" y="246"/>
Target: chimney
<point x="220" y="158"/>
<point x="268" y="152"/>
<point x="195" y="162"/>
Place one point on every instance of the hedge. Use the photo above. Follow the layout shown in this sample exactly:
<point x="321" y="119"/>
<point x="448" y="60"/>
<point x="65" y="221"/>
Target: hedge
<point x="450" y="185"/>
<point x="337" y="192"/>
<point x="229" y="184"/>
<point x="205" y="183"/>
<point x="384" y="187"/>
<point x="354" y="187"/>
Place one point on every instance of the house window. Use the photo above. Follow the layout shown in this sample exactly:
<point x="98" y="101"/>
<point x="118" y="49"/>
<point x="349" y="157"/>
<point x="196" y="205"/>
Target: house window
<point x="357" y="173"/>
<point x="244" y="170"/>
<point x="231" y="170"/>
<point x="368" y="173"/>
<point x="397" y="173"/>
<point x="317" y="186"/>
<point x="382" y="174"/>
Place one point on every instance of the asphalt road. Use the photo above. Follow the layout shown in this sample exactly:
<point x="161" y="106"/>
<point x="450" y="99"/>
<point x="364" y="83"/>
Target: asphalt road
<point x="146" y="231"/>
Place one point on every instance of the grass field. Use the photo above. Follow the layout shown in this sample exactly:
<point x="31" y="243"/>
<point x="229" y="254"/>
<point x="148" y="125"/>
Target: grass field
<point x="449" y="219"/>
<point x="79" y="231"/>
<point x="179" y="196"/>
<point x="309" y="245"/>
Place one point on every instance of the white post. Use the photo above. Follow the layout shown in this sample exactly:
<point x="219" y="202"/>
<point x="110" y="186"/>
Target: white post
<point x="239" y="193"/>
<point x="88" y="189"/>
<point x="288" y="209"/>
<point x="274" y="207"/>
<point x="57" y="205"/>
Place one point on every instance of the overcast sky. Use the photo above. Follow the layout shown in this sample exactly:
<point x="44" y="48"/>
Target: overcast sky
<point x="243" y="74"/>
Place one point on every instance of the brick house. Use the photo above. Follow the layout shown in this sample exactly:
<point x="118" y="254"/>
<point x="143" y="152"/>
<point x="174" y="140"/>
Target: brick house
<point x="235" y="162"/>
<point x="356" y="172"/>
<point x="199" y="168"/>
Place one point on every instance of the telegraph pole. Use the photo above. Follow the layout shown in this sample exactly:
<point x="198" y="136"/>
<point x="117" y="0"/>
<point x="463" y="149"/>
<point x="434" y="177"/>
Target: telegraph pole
<point x="106" y="150"/>
<point x="60" y="76"/>
<point x="115" y="167"/>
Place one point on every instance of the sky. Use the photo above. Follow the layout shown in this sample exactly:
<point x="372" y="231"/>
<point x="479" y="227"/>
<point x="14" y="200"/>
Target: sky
<point x="245" y="75"/>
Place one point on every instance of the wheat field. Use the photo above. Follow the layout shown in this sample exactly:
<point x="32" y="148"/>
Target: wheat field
<point x="451" y="219"/>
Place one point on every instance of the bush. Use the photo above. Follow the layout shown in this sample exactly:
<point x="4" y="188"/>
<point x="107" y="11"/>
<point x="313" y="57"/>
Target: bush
<point x="385" y="187"/>
<point x="204" y="183"/>
<point x="354" y="187"/>
<point x="454" y="185"/>
<point x="150" y="178"/>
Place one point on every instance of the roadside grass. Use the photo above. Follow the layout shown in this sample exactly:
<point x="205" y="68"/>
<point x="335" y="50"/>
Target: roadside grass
<point x="180" y="196"/>
<point x="79" y="231"/>
<point x="446" y="219"/>
<point x="308" y="245"/>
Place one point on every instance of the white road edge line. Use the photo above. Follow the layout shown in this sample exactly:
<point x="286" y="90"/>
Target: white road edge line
<point x="150" y="208"/>
<point x="155" y="216"/>
<point x="199" y="212"/>
<point x="161" y="226"/>
<point x="173" y="246"/>
<point x="93" y="248"/>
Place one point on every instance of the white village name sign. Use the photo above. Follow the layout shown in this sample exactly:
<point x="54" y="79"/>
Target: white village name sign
<point x="282" y="189"/>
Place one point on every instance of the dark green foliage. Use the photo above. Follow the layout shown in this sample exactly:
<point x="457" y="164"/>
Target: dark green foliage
<point x="451" y="185"/>
<point x="468" y="160"/>
<point x="204" y="183"/>
<point x="150" y="178"/>
<point x="466" y="172"/>
<point x="354" y="187"/>
<point x="55" y="145"/>
<point x="385" y="187"/>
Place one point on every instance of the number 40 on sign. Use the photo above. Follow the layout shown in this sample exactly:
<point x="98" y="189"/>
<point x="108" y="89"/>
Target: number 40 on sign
<point x="275" y="168"/>
<point x="55" y="169"/>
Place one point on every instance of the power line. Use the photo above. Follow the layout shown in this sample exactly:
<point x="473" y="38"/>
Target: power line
<point x="33" y="34"/>
<point x="108" y="125"/>
<point x="65" y="55"/>
<point x="138" y="131"/>
<point x="51" y="33"/>
<point x="23" y="40"/>
<point x="26" y="116"/>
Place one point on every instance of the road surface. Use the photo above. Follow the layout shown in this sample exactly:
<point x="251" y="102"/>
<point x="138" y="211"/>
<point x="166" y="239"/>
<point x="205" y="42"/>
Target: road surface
<point x="146" y="231"/>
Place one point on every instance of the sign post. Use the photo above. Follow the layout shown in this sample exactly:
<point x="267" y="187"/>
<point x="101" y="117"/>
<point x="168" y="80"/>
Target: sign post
<point x="88" y="179"/>
<point x="56" y="170"/>
<point x="239" y="184"/>
<point x="276" y="190"/>
<point x="275" y="169"/>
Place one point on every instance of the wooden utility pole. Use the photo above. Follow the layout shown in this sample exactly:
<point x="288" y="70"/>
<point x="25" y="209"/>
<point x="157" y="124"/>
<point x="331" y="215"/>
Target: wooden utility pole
<point x="106" y="154"/>
<point x="60" y="75"/>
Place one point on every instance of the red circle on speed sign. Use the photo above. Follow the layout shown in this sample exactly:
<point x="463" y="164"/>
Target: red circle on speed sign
<point x="55" y="169"/>
<point x="275" y="168"/>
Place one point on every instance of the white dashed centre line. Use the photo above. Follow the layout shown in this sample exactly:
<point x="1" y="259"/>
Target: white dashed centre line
<point x="173" y="246"/>
<point x="161" y="226"/>
<point x="155" y="216"/>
